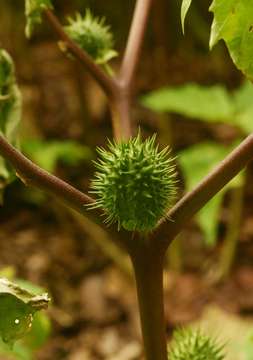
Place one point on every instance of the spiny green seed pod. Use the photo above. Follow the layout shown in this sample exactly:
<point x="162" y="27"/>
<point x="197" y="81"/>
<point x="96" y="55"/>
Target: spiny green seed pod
<point x="33" y="11"/>
<point x="190" y="344"/>
<point x="92" y="35"/>
<point x="135" y="183"/>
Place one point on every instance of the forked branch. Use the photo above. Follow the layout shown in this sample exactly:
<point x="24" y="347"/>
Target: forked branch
<point x="117" y="89"/>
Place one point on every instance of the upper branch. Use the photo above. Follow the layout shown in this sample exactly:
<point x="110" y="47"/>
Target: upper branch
<point x="135" y="39"/>
<point x="33" y="175"/>
<point x="193" y="201"/>
<point x="107" y="83"/>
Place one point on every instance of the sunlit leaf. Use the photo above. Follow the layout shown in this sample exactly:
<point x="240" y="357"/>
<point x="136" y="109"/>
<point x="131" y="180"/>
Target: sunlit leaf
<point x="233" y="22"/>
<point x="196" y="163"/>
<point x="205" y="103"/>
<point x="17" y="308"/>
<point x="184" y="10"/>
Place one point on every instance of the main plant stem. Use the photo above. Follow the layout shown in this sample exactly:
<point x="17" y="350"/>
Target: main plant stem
<point x="121" y="115"/>
<point x="148" y="268"/>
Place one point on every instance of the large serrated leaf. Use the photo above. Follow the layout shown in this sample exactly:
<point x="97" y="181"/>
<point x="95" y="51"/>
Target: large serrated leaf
<point x="212" y="103"/>
<point x="233" y="22"/>
<point x="17" y="308"/>
<point x="184" y="10"/>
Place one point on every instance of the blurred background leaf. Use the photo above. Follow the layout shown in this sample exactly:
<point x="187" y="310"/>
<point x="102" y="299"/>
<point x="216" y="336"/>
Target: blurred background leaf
<point x="192" y="100"/>
<point x="243" y="101"/>
<point x="48" y="154"/>
<point x="184" y="10"/>
<point x="196" y="162"/>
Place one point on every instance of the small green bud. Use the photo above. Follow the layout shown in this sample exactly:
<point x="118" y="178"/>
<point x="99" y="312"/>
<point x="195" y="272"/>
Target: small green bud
<point x="135" y="183"/>
<point x="33" y="11"/>
<point x="190" y="344"/>
<point x="92" y="35"/>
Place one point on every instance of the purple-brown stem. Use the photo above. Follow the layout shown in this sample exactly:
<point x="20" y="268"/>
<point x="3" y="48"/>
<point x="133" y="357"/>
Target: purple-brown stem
<point x="148" y="262"/>
<point x="33" y="175"/>
<point x="134" y="44"/>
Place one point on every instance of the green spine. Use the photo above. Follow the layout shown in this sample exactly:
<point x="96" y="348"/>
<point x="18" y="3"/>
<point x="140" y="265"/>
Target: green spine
<point x="190" y="344"/>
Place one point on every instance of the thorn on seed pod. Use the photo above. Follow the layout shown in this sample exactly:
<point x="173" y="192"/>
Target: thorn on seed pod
<point x="194" y="345"/>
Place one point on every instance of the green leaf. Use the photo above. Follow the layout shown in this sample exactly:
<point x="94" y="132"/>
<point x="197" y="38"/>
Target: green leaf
<point x="196" y="162"/>
<point x="204" y="103"/>
<point x="33" y="12"/>
<point x="18" y="352"/>
<point x="233" y="22"/>
<point x="242" y="99"/>
<point x="47" y="154"/>
<point x="184" y="10"/>
<point x="10" y="111"/>
<point x="17" y="308"/>
<point x="41" y="328"/>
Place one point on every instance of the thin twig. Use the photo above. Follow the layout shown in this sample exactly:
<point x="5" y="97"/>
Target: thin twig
<point x="134" y="43"/>
<point x="33" y="175"/>
<point x="193" y="201"/>
<point x="108" y="84"/>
